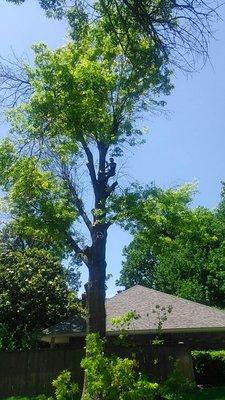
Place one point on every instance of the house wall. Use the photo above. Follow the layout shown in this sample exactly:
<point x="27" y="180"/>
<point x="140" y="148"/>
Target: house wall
<point x="31" y="372"/>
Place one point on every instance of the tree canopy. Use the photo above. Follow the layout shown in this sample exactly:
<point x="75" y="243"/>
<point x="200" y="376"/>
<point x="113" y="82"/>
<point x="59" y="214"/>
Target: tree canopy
<point x="83" y="94"/>
<point x="176" y="248"/>
<point x="176" y="30"/>
<point x="83" y="102"/>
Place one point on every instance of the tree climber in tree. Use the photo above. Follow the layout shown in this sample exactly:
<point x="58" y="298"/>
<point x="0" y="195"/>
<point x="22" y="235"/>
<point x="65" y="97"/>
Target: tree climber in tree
<point x="110" y="168"/>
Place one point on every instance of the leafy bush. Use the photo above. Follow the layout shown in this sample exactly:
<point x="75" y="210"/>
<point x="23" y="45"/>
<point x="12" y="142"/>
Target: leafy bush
<point x="111" y="378"/>
<point x="6" y="339"/>
<point x="209" y="367"/>
<point x="143" y="390"/>
<point x="176" y="387"/>
<point x="64" y="388"/>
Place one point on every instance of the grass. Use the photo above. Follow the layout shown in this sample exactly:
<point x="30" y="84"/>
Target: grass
<point x="208" y="394"/>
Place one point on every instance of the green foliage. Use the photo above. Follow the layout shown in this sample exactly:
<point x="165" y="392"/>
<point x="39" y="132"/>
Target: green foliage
<point x="122" y="324"/>
<point x="64" y="388"/>
<point x="40" y="397"/>
<point x="7" y="341"/>
<point x="33" y="295"/>
<point x="72" y="88"/>
<point x="209" y="367"/>
<point x="176" y="387"/>
<point x="124" y="321"/>
<point x="200" y="394"/>
<point x="175" y="248"/>
<point x="161" y="313"/>
<point x="159" y="32"/>
<point x="37" y="199"/>
<point x="85" y="96"/>
<point x="113" y="377"/>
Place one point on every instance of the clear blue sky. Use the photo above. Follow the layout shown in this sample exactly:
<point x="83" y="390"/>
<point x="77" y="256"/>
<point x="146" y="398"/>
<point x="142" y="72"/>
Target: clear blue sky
<point x="187" y="145"/>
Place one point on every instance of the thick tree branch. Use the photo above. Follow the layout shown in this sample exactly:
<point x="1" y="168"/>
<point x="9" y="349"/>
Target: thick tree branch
<point x="79" y="204"/>
<point x="112" y="188"/>
<point x="102" y="156"/>
<point x="79" y="252"/>
<point x="90" y="165"/>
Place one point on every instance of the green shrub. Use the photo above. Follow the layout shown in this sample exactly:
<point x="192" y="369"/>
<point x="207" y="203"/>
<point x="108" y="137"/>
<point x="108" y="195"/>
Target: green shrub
<point x="143" y="390"/>
<point x="176" y="387"/>
<point x="113" y="378"/>
<point x="209" y="367"/>
<point x="6" y="340"/>
<point x="64" y="388"/>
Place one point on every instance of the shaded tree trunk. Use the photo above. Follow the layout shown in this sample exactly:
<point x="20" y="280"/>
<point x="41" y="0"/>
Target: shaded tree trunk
<point x="96" y="254"/>
<point x="95" y="287"/>
<point x="96" y="290"/>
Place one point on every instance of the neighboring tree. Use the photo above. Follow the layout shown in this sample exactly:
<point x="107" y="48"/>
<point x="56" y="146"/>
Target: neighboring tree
<point x="175" y="248"/>
<point x="81" y="113"/>
<point x="12" y="241"/>
<point x="33" y="295"/>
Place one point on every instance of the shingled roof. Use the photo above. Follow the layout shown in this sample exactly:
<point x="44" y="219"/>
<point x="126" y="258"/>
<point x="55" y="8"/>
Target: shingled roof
<point x="150" y="306"/>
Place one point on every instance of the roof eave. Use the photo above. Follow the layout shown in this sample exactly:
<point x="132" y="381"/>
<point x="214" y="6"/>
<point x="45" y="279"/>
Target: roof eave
<point x="138" y="332"/>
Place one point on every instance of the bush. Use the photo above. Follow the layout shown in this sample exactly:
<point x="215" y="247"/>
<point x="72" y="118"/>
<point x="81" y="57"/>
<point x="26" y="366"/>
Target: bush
<point x="64" y="388"/>
<point x="6" y="339"/>
<point x="113" y="378"/>
<point x="176" y="387"/>
<point x="209" y="367"/>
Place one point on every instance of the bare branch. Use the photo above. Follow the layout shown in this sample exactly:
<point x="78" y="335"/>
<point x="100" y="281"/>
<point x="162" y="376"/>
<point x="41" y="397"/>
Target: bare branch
<point x="180" y="30"/>
<point x="14" y="83"/>
<point x="77" y="201"/>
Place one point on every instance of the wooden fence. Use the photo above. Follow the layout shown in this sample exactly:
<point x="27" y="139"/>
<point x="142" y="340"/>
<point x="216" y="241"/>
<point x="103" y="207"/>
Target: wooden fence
<point x="31" y="372"/>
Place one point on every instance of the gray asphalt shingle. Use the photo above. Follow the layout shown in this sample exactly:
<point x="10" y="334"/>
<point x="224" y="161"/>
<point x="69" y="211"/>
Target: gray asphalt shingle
<point x="184" y="314"/>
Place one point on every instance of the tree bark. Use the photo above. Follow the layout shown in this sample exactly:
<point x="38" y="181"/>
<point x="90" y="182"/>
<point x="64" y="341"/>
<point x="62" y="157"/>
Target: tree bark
<point x="95" y="287"/>
<point x="96" y="254"/>
<point x="95" y="290"/>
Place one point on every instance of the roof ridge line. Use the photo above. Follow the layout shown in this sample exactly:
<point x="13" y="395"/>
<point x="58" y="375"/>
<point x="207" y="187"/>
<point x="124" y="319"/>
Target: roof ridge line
<point x="171" y="295"/>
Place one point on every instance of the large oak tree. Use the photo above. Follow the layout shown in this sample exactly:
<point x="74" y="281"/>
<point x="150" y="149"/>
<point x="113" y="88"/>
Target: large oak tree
<point x="83" y="103"/>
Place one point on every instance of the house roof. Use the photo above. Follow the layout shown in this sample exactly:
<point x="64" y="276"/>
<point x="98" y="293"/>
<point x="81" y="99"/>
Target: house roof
<point x="75" y="324"/>
<point x="149" y="304"/>
<point x="152" y="308"/>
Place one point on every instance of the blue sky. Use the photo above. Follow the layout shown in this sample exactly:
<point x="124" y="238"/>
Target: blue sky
<point x="186" y="145"/>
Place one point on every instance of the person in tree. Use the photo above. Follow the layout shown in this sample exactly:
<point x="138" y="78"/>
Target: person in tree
<point x="110" y="168"/>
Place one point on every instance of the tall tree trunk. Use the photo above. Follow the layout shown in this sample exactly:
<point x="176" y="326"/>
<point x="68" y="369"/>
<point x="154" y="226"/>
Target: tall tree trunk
<point x="95" y="287"/>
<point x="96" y="254"/>
<point x="95" y="290"/>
